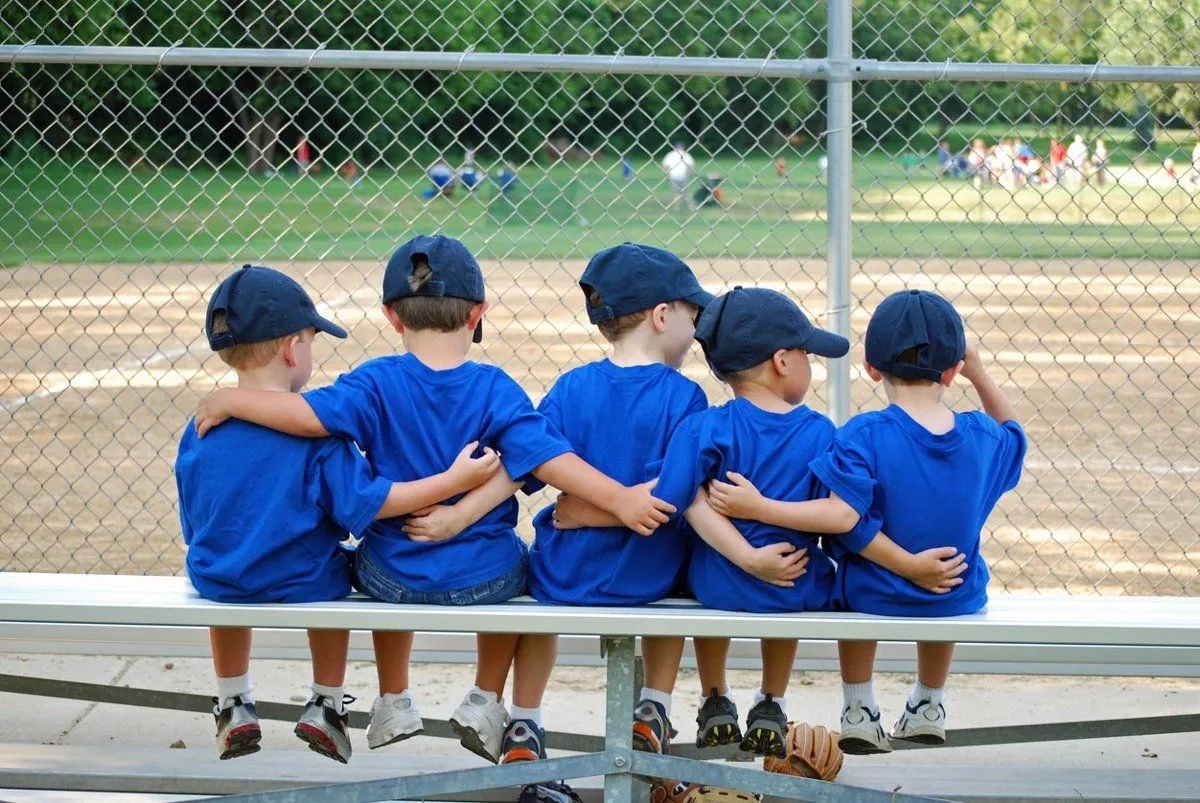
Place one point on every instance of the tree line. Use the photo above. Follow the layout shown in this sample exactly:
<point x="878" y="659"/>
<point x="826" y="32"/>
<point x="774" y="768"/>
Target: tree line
<point x="255" y="115"/>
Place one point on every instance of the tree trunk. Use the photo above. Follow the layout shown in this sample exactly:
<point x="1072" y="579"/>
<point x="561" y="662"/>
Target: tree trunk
<point x="261" y="132"/>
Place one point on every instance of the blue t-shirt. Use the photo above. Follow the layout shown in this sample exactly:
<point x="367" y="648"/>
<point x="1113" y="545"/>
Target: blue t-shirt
<point x="773" y="451"/>
<point x="263" y="512"/>
<point x="924" y="491"/>
<point x="618" y="420"/>
<point x="412" y="421"/>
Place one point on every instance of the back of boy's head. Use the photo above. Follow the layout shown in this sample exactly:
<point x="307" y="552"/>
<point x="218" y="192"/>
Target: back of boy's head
<point x="744" y="328"/>
<point x="623" y="283"/>
<point x="433" y="282"/>
<point x="252" y="310"/>
<point x="914" y="337"/>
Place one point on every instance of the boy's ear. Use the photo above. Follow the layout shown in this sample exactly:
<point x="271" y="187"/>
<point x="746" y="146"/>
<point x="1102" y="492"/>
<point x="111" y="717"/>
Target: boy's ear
<point x="658" y="317"/>
<point x="288" y="350"/>
<point x="949" y="374"/>
<point x="393" y="318"/>
<point x="779" y="360"/>
<point x="477" y="313"/>
<point x="872" y="372"/>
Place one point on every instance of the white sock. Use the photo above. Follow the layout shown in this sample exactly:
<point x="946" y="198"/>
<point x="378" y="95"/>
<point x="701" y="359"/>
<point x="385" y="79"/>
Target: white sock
<point x="332" y="693"/>
<point x="657" y="696"/>
<point x="489" y="697"/>
<point x="920" y="693"/>
<point x="863" y="692"/>
<point x="720" y="693"/>
<point x="228" y="688"/>
<point x="760" y="695"/>
<point x="534" y="715"/>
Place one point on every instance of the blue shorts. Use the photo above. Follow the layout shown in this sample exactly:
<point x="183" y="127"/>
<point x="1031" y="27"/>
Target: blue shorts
<point x="374" y="582"/>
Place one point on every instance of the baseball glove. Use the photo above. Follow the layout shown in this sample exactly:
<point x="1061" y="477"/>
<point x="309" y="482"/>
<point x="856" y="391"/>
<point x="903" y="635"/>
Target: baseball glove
<point x="684" y="792"/>
<point x="549" y="792"/>
<point x="811" y="753"/>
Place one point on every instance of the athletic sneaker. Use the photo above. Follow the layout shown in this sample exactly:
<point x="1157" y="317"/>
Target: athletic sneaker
<point x="766" y="728"/>
<point x="652" y="730"/>
<point x="238" y="733"/>
<point x="480" y="724"/>
<point x="925" y="724"/>
<point x="862" y="735"/>
<point x="717" y="722"/>
<point x="523" y="741"/>
<point x="394" y="718"/>
<point x="324" y="729"/>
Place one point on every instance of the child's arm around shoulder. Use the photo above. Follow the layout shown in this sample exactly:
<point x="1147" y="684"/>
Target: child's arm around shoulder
<point x="740" y="499"/>
<point x="440" y="522"/>
<point x="632" y="505"/>
<point x="778" y="564"/>
<point x="284" y="412"/>
<point x="937" y="570"/>
<point x="466" y="474"/>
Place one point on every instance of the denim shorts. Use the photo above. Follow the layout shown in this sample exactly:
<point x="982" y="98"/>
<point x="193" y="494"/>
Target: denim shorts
<point x="374" y="582"/>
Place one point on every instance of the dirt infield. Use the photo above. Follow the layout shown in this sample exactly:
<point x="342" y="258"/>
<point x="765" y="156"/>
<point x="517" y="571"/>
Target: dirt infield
<point x="103" y="365"/>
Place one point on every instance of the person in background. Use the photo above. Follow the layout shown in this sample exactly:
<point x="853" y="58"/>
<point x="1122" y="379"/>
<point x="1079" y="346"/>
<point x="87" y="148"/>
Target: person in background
<point x="442" y="176"/>
<point x="1077" y="159"/>
<point x="679" y="166"/>
<point x="303" y="156"/>
<point x="1100" y="161"/>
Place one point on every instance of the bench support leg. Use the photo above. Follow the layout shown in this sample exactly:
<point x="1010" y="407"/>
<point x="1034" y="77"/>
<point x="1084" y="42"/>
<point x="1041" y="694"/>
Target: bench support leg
<point x="618" y="719"/>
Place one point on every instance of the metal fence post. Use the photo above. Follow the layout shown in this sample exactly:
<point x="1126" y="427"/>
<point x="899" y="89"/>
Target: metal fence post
<point x="838" y="149"/>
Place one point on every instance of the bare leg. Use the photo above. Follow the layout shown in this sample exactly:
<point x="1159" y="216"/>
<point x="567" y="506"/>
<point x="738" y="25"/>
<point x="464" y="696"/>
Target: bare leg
<point x="393" y="648"/>
<point x="533" y="664"/>
<point x="329" y="650"/>
<point x="857" y="659"/>
<point x="661" y="657"/>
<point x="778" y="656"/>
<point x="230" y="650"/>
<point x="933" y="663"/>
<point x="496" y="653"/>
<point x="711" y="657"/>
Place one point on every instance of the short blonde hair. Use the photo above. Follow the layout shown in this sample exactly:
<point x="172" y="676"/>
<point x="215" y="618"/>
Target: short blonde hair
<point x="247" y="356"/>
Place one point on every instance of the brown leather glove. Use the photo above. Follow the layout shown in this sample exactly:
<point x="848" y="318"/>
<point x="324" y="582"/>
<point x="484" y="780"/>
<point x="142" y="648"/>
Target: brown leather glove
<point x="811" y="753"/>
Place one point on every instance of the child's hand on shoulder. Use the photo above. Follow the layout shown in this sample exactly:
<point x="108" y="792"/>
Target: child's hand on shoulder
<point x="212" y="411"/>
<point x="470" y="472"/>
<point x="778" y="564"/>
<point x="640" y="511"/>
<point x="436" y="523"/>
<point x="937" y="570"/>
<point x="736" y="499"/>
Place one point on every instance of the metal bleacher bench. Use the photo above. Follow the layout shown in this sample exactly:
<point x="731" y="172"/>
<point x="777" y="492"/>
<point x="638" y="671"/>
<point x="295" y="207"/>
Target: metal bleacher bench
<point x="1159" y="635"/>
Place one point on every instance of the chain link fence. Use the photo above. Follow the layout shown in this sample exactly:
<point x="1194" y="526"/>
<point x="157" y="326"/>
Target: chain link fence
<point x="1033" y="160"/>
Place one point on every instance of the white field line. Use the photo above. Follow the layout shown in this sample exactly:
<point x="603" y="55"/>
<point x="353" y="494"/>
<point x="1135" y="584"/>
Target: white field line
<point x="125" y="370"/>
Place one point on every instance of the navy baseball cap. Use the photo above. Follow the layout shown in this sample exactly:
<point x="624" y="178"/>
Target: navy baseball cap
<point x="262" y="304"/>
<point x="456" y="274"/>
<point x="631" y="278"/>
<point x="746" y="326"/>
<point x="915" y="319"/>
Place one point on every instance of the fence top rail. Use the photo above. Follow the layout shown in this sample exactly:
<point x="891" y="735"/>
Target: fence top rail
<point x="619" y="64"/>
<point x="1010" y="619"/>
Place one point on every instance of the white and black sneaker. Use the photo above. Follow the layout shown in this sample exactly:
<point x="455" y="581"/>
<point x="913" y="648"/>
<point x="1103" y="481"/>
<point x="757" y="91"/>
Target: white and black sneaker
<point x="238" y="733"/>
<point x="324" y="729"/>
<point x="862" y="733"/>
<point x="923" y="724"/>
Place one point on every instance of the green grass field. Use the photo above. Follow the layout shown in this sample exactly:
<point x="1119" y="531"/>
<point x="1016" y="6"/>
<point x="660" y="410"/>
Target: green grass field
<point x="60" y="213"/>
